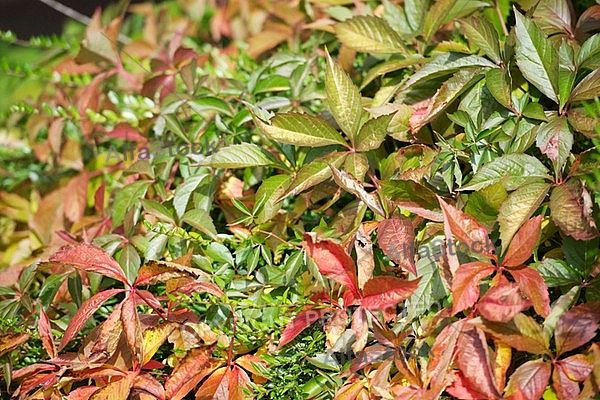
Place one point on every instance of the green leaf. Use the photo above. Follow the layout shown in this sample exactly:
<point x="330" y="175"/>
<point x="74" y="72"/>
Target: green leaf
<point x="413" y="197"/>
<point x="357" y="164"/>
<point x="482" y="33"/>
<point x="571" y="210"/>
<point x="555" y="140"/>
<point x="389" y="66"/>
<point x="589" y="55"/>
<point x="239" y="156"/>
<point x="369" y="34"/>
<point x="553" y="16"/>
<point x="415" y="11"/>
<point x="436" y="16"/>
<point x="344" y="99"/>
<point x="271" y="190"/>
<point x="445" y="64"/>
<point x="515" y="169"/>
<point x="209" y="103"/>
<point x="130" y="261"/>
<point x="535" y="111"/>
<point x="158" y="210"/>
<point x="399" y="126"/>
<point x="566" y="72"/>
<point x="498" y="83"/>
<point x="581" y="254"/>
<point x="536" y="57"/>
<point x="518" y="207"/>
<point x="588" y="88"/>
<point x="557" y="273"/>
<point x="373" y="133"/>
<point x="200" y="220"/>
<point x="314" y="173"/>
<point x="127" y="198"/>
<point x="300" y="130"/>
<point x="184" y="190"/>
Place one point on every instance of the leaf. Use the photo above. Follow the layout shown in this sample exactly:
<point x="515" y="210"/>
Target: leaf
<point x="413" y="197"/>
<point x="351" y="185"/>
<point x="154" y="337"/>
<point x="270" y="191"/>
<point x="373" y="133"/>
<point x="369" y="34"/>
<point x="200" y="220"/>
<point x="466" y="229"/>
<point x="45" y="331"/>
<point x="588" y="88"/>
<point x="536" y="57"/>
<point x="225" y="383"/>
<point x="533" y="286"/>
<point x="501" y="303"/>
<point x="436" y="16"/>
<point x="465" y="284"/>
<point x="522" y="334"/>
<point x="554" y="16"/>
<point x="189" y="372"/>
<point x="445" y="64"/>
<point x="239" y="156"/>
<point x="523" y="244"/>
<point x="473" y="360"/>
<point x="396" y="237"/>
<point x="518" y="207"/>
<point x="87" y="309"/>
<point x="567" y="72"/>
<point x="147" y="384"/>
<point x="356" y="164"/>
<point x="565" y="388"/>
<point x="383" y="292"/>
<point x="154" y="272"/>
<point x="571" y="210"/>
<point x="498" y="82"/>
<point x="76" y="197"/>
<point x="302" y="321"/>
<point x="529" y="380"/>
<point x="515" y="170"/>
<point x="89" y="258"/>
<point x="118" y="390"/>
<point x="300" y="130"/>
<point x="389" y="66"/>
<point x="365" y="260"/>
<point x="589" y="55"/>
<point x="313" y="173"/>
<point x="562" y="304"/>
<point x="127" y="198"/>
<point x="482" y="33"/>
<point x="335" y="326"/>
<point x="184" y="190"/>
<point x="557" y="273"/>
<point x="332" y="261"/>
<point x="130" y="261"/>
<point x="131" y="327"/>
<point x="576" y="327"/>
<point x="10" y="341"/>
<point x="344" y="100"/>
<point x="555" y="139"/>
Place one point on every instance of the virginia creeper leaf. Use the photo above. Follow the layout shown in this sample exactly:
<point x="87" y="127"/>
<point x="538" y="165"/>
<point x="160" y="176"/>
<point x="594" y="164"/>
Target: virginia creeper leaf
<point x="522" y="245"/>
<point x="396" y="237"/>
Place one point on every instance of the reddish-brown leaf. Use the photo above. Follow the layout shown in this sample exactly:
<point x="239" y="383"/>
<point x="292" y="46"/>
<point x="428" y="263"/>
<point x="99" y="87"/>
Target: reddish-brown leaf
<point x="576" y="327"/>
<point x="577" y="367"/>
<point x="467" y="229"/>
<point x="473" y="359"/>
<point x="462" y="389"/>
<point x="360" y="327"/>
<point x="87" y="309"/>
<point x="76" y="197"/>
<point x="571" y="210"/>
<point x="201" y="287"/>
<point x="10" y="341"/>
<point x="465" y="284"/>
<point x="396" y="237"/>
<point x="441" y="356"/>
<point x="153" y="272"/>
<point x="189" y="372"/>
<point x="82" y="393"/>
<point x="332" y="261"/>
<point x="45" y="331"/>
<point x="148" y="384"/>
<point x="501" y="303"/>
<point x="533" y="286"/>
<point x="224" y="384"/>
<point x="523" y="243"/>
<point x="90" y="259"/>
<point x="383" y="292"/>
<point x="530" y="379"/>
<point x="131" y="327"/>
<point x="566" y="389"/>
<point x="522" y="334"/>
<point x="305" y="319"/>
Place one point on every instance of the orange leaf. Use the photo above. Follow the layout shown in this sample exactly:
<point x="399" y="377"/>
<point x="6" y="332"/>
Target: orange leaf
<point x="189" y="372"/>
<point x="533" y="286"/>
<point x="386" y="291"/>
<point x="465" y="284"/>
<point x="523" y="243"/>
<point x="46" y="333"/>
<point x="226" y="383"/>
<point x="11" y="341"/>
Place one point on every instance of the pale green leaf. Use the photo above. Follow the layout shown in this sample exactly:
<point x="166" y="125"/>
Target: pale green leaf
<point x="514" y="169"/>
<point x="200" y="220"/>
<point x="369" y="34"/>
<point x="239" y="156"/>
<point x="184" y="190"/>
<point x="445" y="64"/>
<point x="536" y="57"/>
<point x="389" y="66"/>
<point x="344" y="99"/>
<point x="126" y="198"/>
<point x="589" y="55"/>
<point x="588" y="88"/>
<point x="269" y="192"/>
<point x="482" y="33"/>
<point x="130" y="261"/>
<point x="399" y="126"/>
<point x="314" y="173"/>
<point x="436" y="16"/>
<point x="300" y="130"/>
<point x="373" y="133"/>
<point x="356" y="164"/>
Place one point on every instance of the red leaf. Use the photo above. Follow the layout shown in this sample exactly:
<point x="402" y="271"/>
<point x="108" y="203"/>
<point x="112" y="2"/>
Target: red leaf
<point x="396" y="237"/>
<point x="467" y="229"/>
<point x="565" y="388"/>
<point x="530" y="379"/>
<point x="82" y="393"/>
<point x="523" y="243"/>
<point x="571" y="209"/>
<point x="90" y="259"/>
<point x="533" y="286"/>
<point x="576" y="327"/>
<point x="360" y="327"/>
<point x="473" y="359"/>
<point x="189" y="372"/>
<point x="383" y="292"/>
<point x="76" y="197"/>
<point x="118" y="390"/>
<point x="201" y="287"/>
<point x="305" y="319"/>
<point x="131" y="326"/>
<point x="225" y="384"/>
<point x="577" y="367"/>
<point x="461" y="389"/>
<point x="46" y="333"/>
<point x="87" y="309"/>
<point x="501" y="303"/>
<point x="332" y="261"/>
<point x="127" y="132"/>
<point x="465" y="284"/>
<point x="441" y="356"/>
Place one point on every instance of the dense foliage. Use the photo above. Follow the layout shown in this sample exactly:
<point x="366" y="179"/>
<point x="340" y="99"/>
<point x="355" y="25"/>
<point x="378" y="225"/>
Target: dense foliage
<point x="303" y="199"/>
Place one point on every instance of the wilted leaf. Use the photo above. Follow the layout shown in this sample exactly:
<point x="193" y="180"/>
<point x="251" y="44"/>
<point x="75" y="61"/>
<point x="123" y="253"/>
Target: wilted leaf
<point x="365" y="261"/>
<point x="335" y="326"/>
